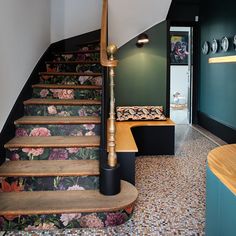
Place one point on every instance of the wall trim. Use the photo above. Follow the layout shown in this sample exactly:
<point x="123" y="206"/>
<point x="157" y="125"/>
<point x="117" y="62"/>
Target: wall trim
<point x="223" y="131"/>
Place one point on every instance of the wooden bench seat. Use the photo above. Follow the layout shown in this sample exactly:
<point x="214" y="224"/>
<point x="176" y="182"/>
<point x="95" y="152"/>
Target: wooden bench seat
<point x="134" y="138"/>
<point x="125" y="141"/>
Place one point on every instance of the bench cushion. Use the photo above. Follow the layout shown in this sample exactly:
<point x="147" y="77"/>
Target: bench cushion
<point x="125" y="113"/>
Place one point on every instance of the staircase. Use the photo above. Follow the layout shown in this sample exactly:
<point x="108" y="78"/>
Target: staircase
<point x="50" y="179"/>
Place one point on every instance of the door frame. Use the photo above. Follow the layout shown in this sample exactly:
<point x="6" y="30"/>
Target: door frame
<point x="195" y="63"/>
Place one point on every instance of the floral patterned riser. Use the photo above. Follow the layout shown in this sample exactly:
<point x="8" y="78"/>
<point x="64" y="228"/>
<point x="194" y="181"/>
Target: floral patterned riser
<point x="92" y="68"/>
<point x="52" y="154"/>
<point x="65" y="221"/>
<point x="90" y="46"/>
<point x="56" y="183"/>
<point x="57" y="110"/>
<point x="58" y="130"/>
<point x="67" y="93"/>
<point x="78" y="57"/>
<point x="73" y="80"/>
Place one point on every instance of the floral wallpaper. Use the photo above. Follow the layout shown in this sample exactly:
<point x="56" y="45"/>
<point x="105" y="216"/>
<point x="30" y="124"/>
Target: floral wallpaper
<point x="72" y="80"/>
<point x="58" y="130"/>
<point x="62" y="110"/>
<point x="73" y="220"/>
<point x="67" y="93"/>
<point x="52" y="154"/>
<point x="11" y="184"/>
<point x="80" y="68"/>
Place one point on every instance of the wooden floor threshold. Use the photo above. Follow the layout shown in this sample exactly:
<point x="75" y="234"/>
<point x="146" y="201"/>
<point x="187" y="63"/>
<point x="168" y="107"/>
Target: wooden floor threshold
<point x="58" y="202"/>
<point x="57" y="120"/>
<point x="65" y="102"/>
<point x="45" y="168"/>
<point x="65" y="86"/>
<point x="53" y="142"/>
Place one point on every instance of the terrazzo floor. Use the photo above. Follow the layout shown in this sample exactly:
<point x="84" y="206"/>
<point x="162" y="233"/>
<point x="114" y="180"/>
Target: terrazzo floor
<point x="171" y="192"/>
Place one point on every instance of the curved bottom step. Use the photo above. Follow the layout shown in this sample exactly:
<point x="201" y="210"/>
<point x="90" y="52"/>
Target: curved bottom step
<point x="66" y="209"/>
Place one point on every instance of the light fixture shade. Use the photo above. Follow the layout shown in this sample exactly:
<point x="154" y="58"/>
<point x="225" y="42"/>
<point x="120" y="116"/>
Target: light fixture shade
<point x="142" y="39"/>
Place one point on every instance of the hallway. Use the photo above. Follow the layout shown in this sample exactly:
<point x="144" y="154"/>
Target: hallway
<point x="171" y="192"/>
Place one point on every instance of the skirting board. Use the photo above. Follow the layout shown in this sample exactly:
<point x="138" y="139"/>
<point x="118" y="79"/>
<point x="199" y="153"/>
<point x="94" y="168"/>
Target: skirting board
<point x="222" y="131"/>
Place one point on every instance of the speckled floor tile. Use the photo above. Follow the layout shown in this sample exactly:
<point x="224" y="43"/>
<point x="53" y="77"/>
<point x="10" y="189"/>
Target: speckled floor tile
<point x="171" y="193"/>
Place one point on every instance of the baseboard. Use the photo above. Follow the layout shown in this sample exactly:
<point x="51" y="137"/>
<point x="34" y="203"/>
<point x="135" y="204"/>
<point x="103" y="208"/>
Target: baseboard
<point x="224" y="132"/>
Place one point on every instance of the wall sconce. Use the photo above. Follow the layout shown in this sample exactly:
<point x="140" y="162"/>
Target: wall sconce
<point x="142" y="39"/>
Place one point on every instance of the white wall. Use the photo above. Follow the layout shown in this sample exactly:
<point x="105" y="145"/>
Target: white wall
<point x="127" y="19"/>
<point x="74" y="17"/>
<point x="24" y="36"/>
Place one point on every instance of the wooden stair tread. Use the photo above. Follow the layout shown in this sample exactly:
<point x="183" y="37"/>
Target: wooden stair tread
<point x="49" y="168"/>
<point x="65" y="86"/>
<point x="32" y="120"/>
<point x="72" y="62"/>
<point x="72" y="102"/>
<point x="58" y="202"/>
<point x="70" y="73"/>
<point x="53" y="142"/>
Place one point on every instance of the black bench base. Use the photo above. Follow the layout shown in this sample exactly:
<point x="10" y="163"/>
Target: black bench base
<point x="150" y="140"/>
<point x="154" y="140"/>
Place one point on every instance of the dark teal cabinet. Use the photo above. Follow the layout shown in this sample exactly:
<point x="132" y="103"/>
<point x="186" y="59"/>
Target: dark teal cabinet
<point x="220" y="208"/>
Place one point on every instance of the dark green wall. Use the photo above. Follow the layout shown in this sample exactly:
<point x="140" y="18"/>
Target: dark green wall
<point x="217" y="88"/>
<point x="142" y="72"/>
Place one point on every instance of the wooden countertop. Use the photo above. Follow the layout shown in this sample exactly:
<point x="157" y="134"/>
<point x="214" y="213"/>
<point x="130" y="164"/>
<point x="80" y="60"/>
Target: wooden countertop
<point x="222" y="162"/>
<point x="124" y="138"/>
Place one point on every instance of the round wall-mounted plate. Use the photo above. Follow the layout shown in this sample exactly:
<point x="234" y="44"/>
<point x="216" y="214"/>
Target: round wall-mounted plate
<point x="234" y="42"/>
<point x="214" y="46"/>
<point x="224" y="44"/>
<point x="205" y="48"/>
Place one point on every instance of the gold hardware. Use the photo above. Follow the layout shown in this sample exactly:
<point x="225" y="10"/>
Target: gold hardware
<point x="112" y="157"/>
<point x="111" y="50"/>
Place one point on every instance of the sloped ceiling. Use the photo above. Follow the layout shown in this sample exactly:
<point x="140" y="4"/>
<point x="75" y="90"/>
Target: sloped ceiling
<point x="128" y="18"/>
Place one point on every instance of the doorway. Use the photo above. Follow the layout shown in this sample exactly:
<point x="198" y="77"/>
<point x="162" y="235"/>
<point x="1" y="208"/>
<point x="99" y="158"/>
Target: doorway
<point x="181" y="74"/>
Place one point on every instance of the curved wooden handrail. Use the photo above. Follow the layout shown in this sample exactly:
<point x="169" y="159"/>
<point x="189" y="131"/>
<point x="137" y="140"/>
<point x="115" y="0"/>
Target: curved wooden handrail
<point x="103" y="48"/>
